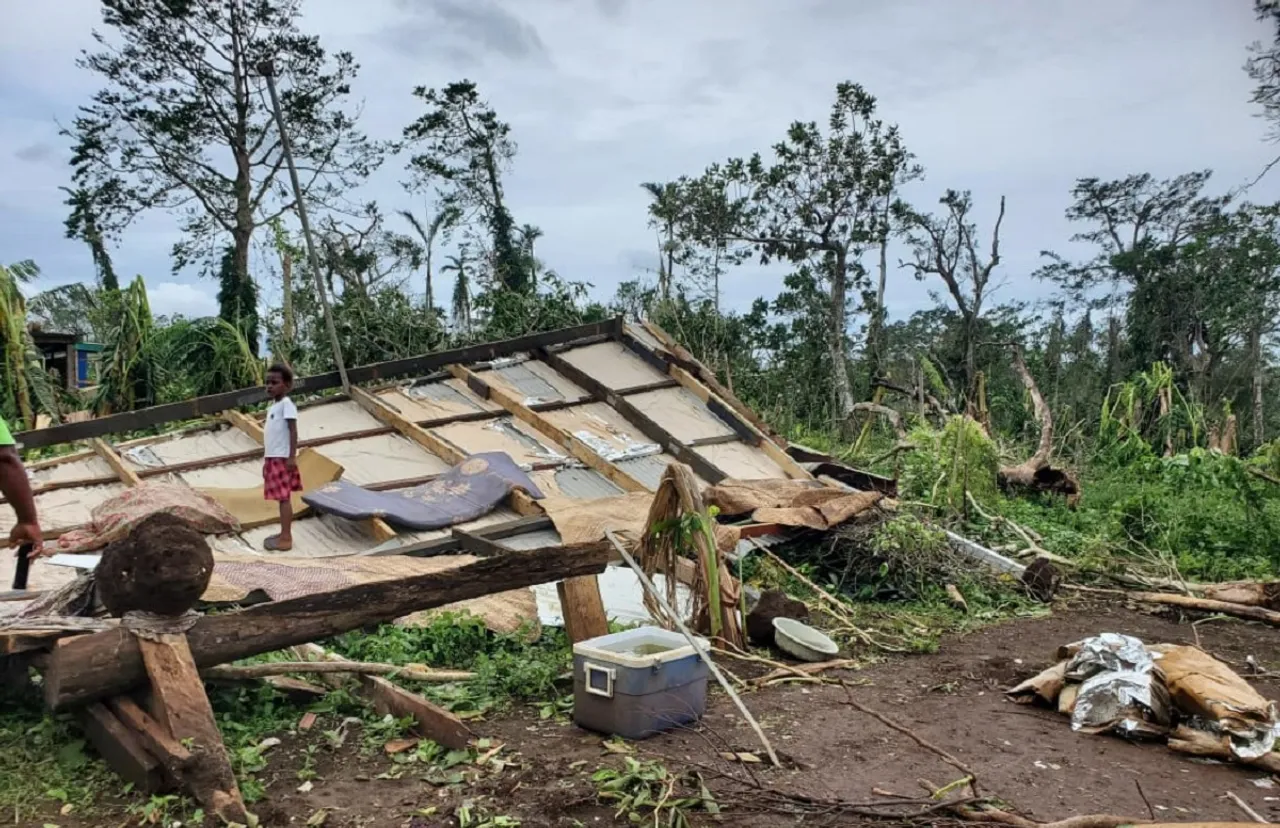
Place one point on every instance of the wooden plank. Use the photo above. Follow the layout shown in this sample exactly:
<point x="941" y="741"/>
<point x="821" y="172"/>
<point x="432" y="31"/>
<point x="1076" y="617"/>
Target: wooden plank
<point x="432" y="722"/>
<point x="476" y="545"/>
<point x="647" y="425"/>
<point x="108" y="663"/>
<point x="582" y="608"/>
<point x="718" y="440"/>
<point x="215" y="403"/>
<point x="182" y="709"/>
<point x="122" y="751"/>
<point x="126" y="475"/>
<point x="576" y="447"/>
<point x="660" y="385"/>
<point x="379" y="528"/>
<point x="172" y="755"/>
<point x="446" y="451"/>
<point x="680" y="356"/>
<point x="729" y="416"/>
<point x="451" y="545"/>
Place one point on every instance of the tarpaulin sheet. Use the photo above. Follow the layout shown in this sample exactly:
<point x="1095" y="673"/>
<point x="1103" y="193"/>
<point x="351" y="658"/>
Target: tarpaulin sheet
<point x="467" y="491"/>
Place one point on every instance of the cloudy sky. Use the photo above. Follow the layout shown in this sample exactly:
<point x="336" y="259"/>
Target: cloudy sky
<point x="1009" y="98"/>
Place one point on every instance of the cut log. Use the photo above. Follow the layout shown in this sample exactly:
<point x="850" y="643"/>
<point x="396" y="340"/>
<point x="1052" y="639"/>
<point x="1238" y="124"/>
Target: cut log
<point x="121" y="749"/>
<point x="109" y="663"/>
<point x="1266" y="616"/>
<point x="1264" y="594"/>
<point x="182" y="708"/>
<point x="162" y="566"/>
<point x="582" y="608"/>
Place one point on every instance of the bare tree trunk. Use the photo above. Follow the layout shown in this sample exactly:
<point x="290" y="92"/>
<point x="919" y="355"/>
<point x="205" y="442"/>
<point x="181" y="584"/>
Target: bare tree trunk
<point x="876" y="334"/>
<point x="839" y="321"/>
<point x="286" y="301"/>
<point x="1259" y="371"/>
<point x="431" y="298"/>
<point x="1036" y="473"/>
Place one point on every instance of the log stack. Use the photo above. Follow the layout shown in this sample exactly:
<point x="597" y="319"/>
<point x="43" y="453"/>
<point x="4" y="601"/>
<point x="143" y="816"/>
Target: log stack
<point x="137" y="687"/>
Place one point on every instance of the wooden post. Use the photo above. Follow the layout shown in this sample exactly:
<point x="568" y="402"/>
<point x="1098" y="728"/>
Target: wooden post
<point x="582" y="608"/>
<point x="182" y="708"/>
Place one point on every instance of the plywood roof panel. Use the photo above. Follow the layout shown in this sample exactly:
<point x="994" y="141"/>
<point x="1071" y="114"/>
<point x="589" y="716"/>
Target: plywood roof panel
<point x="382" y="458"/>
<point x="682" y="414"/>
<point x="524" y="445"/>
<point x="534" y="382"/>
<point x="741" y="461"/>
<point x="335" y="418"/>
<point x="613" y="364"/>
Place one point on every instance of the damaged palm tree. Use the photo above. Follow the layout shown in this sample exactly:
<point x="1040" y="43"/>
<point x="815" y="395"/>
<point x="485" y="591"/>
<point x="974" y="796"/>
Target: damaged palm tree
<point x="1036" y="473"/>
<point x="679" y="523"/>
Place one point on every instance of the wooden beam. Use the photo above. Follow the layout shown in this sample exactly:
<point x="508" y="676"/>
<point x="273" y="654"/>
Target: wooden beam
<point x="153" y="736"/>
<point x="109" y="663"/>
<point x="126" y="475"/>
<point x="729" y="416"/>
<point x="576" y="447"/>
<point x="121" y="749"/>
<point x="216" y="403"/>
<point x="181" y="707"/>
<point x="446" y="451"/>
<point x="451" y="545"/>
<point x="379" y="528"/>
<point x="647" y="426"/>
<point x="476" y="545"/>
<point x="682" y="357"/>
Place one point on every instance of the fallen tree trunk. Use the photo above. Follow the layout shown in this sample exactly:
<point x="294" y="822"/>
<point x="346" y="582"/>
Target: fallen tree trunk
<point x="1264" y="594"/>
<point x="224" y="672"/>
<point x="109" y="663"/>
<point x="1266" y="616"/>
<point x="1036" y="473"/>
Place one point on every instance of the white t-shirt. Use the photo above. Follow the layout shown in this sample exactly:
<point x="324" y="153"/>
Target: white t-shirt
<point x="277" y="428"/>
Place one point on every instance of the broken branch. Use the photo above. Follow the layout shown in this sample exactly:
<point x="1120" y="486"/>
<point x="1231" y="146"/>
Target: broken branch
<point x="281" y="668"/>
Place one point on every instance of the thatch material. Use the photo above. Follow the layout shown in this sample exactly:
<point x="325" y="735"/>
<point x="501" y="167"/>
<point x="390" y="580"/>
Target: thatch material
<point x="678" y="523"/>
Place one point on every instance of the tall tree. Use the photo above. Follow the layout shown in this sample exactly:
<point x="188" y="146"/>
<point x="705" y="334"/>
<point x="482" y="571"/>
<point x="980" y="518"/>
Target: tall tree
<point x="181" y="123"/>
<point x="890" y="221"/>
<point x="83" y="225"/>
<point x="814" y="204"/>
<point x="1138" y="226"/>
<point x="1263" y="67"/>
<point x="460" y="267"/>
<point x="947" y="247"/>
<point x="443" y="219"/>
<point x="237" y="299"/>
<point x="664" y="216"/>
<point x="462" y="150"/>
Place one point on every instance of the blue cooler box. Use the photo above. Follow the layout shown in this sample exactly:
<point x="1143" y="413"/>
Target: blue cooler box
<point x="638" y="683"/>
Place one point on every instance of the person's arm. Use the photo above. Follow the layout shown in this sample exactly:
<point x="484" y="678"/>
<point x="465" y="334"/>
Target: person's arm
<point x="16" y="488"/>
<point x="293" y="442"/>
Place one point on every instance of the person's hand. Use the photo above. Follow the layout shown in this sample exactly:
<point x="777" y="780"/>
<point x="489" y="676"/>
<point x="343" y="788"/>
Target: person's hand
<point x="24" y="533"/>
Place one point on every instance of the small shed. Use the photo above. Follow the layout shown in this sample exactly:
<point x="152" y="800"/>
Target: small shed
<point x="74" y="362"/>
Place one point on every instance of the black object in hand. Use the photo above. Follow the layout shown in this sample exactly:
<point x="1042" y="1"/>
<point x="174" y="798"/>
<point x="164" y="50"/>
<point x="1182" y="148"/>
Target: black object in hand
<point x="24" y="566"/>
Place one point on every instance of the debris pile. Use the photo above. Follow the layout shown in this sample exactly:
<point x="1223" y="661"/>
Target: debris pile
<point x="1116" y="684"/>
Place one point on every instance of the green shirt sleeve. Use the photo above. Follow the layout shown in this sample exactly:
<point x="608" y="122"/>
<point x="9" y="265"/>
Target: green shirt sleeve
<point x="6" y="439"/>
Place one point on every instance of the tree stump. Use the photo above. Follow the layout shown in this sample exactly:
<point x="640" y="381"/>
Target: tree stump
<point x="773" y="603"/>
<point x="163" y="566"/>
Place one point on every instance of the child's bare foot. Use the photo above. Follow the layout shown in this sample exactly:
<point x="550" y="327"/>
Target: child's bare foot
<point x="278" y="543"/>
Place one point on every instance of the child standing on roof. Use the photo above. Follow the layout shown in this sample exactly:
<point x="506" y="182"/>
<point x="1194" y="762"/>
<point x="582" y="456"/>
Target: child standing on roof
<point x="280" y="478"/>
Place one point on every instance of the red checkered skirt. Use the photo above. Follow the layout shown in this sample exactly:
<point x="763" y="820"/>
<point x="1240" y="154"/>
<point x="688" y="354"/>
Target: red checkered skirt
<point x="279" y="482"/>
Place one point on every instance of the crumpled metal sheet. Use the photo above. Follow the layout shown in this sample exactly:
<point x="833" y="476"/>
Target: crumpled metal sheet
<point x="1116" y="686"/>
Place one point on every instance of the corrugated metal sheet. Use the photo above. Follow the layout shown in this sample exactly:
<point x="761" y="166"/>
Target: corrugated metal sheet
<point x="440" y="392"/>
<point x="648" y="470"/>
<point x="585" y="484"/>
<point x="528" y="383"/>
<point x="532" y="540"/>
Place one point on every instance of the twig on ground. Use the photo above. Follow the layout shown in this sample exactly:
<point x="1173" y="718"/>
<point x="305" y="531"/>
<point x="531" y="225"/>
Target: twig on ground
<point x="1242" y="805"/>
<point x="1151" y="811"/>
<point x="911" y="734"/>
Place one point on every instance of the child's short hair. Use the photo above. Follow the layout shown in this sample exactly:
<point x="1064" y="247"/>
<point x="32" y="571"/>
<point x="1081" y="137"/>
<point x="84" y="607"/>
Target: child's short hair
<point x="285" y="372"/>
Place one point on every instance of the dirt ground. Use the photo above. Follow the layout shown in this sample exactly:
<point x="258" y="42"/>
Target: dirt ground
<point x="953" y="699"/>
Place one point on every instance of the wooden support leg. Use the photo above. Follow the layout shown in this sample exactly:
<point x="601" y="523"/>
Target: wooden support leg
<point x="181" y="706"/>
<point x="582" y="608"/>
<point x="121" y="749"/>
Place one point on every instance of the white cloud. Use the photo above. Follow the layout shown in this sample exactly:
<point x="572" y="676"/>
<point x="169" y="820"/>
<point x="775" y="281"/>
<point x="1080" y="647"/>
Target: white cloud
<point x="181" y="299"/>
<point x="1012" y="99"/>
